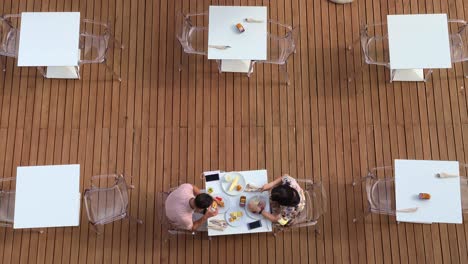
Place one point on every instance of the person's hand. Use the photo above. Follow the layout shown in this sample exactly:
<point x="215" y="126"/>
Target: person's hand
<point x="261" y="205"/>
<point x="264" y="187"/>
<point x="210" y="212"/>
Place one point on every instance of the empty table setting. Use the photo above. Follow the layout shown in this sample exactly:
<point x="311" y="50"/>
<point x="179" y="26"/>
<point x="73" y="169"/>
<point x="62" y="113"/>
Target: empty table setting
<point x="428" y="191"/>
<point x="47" y="196"/>
<point x="51" y="40"/>
<point x="416" y="43"/>
<point x="233" y="191"/>
<point x="237" y="35"/>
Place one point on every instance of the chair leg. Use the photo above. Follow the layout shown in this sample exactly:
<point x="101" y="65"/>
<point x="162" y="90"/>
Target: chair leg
<point x="132" y="218"/>
<point x="117" y="43"/>
<point x="251" y="69"/>
<point x="284" y="68"/>
<point x="362" y="216"/>
<point x="96" y="228"/>
<point x="114" y="74"/>
<point x="361" y="180"/>
<point x="3" y="63"/>
<point x="427" y="75"/>
<point x="183" y="56"/>
<point x="350" y="47"/>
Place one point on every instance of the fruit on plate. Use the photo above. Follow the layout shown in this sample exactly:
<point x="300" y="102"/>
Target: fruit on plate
<point x="234" y="183"/>
<point x="238" y="187"/>
<point x="228" y="178"/>
<point x="235" y="216"/>
<point x="219" y="201"/>
<point x="210" y="190"/>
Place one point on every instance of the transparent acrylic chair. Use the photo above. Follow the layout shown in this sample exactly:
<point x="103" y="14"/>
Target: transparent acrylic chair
<point x="464" y="193"/>
<point x="107" y="204"/>
<point x="7" y="202"/>
<point x="380" y="192"/>
<point x="8" y="38"/>
<point x="96" y="47"/>
<point x="459" y="43"/>
<point x="192" y="37"/>
<point x="315" y="206"/>
<point x="281" y="44"/>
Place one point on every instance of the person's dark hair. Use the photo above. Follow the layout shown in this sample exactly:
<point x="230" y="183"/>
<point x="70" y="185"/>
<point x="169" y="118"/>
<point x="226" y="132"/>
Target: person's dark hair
<point x="285" y="195"/>
<point x="203" y="200"/>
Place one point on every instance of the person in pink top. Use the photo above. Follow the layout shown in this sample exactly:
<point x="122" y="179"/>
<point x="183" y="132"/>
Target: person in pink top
<point x="186" y="200"/>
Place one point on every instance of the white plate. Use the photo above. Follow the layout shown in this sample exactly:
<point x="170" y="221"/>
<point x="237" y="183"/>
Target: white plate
<point x="238" y="222"/>
<point x="227" y="203"/>
<point x="249" y="213"/>
<point x="225" y="185"/>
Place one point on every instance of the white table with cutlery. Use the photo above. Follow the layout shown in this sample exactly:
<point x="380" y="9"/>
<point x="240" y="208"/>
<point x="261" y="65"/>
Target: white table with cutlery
<point x="47" y="196"/>
<point x="233" y="48"/>
<point x="417" y="42"/>
<point x="51" y="40"/>
<point x="423" y="176"/>
<point x="257" y="178"/>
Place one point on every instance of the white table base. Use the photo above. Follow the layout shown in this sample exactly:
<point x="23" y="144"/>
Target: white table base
<point x="235" y="66"/>
<point x="66" y="72"/>
<point x="411" y="75"/>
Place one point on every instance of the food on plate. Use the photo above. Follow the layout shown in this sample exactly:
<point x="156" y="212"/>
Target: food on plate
<point x="214" y="205"/>
<point x="238" y="187"/>
<point x="234" y="216"/>
<point x="424" y="196"/>
<point x="219" y="200"/>
<point x="228" y="178"/>
<point x="242" y="201"/>
<point x="234" y="183"/>
<point x="210" y="190"/>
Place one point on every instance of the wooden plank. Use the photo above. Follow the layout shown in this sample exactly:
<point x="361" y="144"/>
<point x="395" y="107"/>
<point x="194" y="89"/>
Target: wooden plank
<point x="165" y="127"/>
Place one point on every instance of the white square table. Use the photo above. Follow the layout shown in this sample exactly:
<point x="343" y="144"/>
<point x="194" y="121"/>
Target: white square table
<point x="417" y="42"/>
<point x="50" y="39"/>
<point x="419" y="176"/>
<point x="246" y="46"/>
<point x="257" y="178"/>
<point x="47" y="196"/>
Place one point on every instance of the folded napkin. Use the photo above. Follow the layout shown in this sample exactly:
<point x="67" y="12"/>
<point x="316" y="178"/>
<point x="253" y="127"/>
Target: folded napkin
<point x="253" y="20"/>
<point x="220" y="47"/>
<point x="446" y="175"/>
<point x="217" y="224"/>
<point x="252" y="188"/>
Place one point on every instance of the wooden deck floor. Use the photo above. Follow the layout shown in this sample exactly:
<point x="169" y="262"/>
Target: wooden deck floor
<point x="164" y="126"/>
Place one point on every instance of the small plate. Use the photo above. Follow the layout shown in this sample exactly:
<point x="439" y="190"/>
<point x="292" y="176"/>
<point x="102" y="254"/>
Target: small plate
<point x="249" y="213"/>
<point x="238" y="222"/>
<point x="226" y="184"/>
<point x="227" y="202"/>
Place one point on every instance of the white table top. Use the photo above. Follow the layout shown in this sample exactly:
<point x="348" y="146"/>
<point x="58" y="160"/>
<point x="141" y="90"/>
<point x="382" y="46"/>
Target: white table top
<point x="249" y="45"/>
<point x="415" y="176"/>
<point x="49" y="39"/>
<point x="419" y="41"/>
<point x="257" y="178"/>
<point x="47" y="196"/>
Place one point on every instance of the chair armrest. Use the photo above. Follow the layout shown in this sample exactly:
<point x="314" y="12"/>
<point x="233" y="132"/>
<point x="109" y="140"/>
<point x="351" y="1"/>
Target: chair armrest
<point x="7" y="179"/>
<point x="105" y="176"/>
<point x="93" y="22"/>
<point x="280" y="24"/>
<point x="196" y="14"/>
